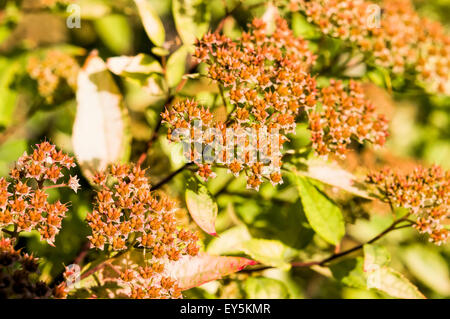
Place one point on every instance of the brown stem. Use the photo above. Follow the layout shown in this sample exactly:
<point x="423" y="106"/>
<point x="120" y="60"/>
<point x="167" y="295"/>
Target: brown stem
<point x="171" y="176"/>
<point x="344" y="253"/>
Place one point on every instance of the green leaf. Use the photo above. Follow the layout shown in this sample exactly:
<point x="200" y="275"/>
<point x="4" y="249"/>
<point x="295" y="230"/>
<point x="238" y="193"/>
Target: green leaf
<point x="265" y="288"/>
<point x="394" y="284"/>
<point x="323" y="215"/>
<point x="202" y="206"/>
<point x="427" y="265"/>
<point x="384" y="278"/>
<point x="350" y="273"/>
<point x="302" y="28"/>
<point x="375" y="255"/>
<point x="100" y="132"/>
<point x="115" y="32"/>
<point x="230" y="241"/>
<point x="8" y="70"/>
<point x="151" y="21"/>
<point x="269" y="252"/>
<point x="192" y="19"/>
<point x="176" y="66"/>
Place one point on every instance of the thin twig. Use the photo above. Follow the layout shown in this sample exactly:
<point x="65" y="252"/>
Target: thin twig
<point x="171" y="176"/>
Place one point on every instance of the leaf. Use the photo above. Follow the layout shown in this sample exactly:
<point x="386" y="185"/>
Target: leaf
<point x="176" y="66"/>
<point x="302" y="28"/>
<point x="269" y="252"/>
<point x="427" y="265"/>
<point x="141" y="63"/>
<point x="8" y="70"/>
<point x="333" y="175"/>
<point x="384" y="278"/>
<point x="230" y="241"/>
<point x="192" y="19"/>
<point x="201" y="206"/>
<point x="192" y="272"/>
<point x="350" y="273"/>
<point x="151" y="21"/>
<point x="115" y="32"/>
<point x="323" y="215"/>
<point x="99" y="132"/>
<point x="375" y="255"/>
<point x="265" y="288"/>
<point x="394" y="284"/>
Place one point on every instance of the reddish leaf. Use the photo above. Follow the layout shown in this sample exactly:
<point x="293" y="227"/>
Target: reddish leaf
<point x="195" y="271"/>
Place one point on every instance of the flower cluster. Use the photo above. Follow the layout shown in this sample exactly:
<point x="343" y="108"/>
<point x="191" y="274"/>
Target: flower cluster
<point x="128" y="213"/>
<point x="19" y="275"/>
<point x="345" y="114"/>
<point x="268" y="81"/>
<point x="425" y="192"/>
<point x="23" y="200"/>
<point x="402" y="41"/>
<point x="56" y="68"/>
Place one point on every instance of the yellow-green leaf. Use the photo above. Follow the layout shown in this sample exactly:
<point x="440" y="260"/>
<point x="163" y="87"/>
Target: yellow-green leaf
<point x="151" y="21"/>
<point x="202" y="206"/>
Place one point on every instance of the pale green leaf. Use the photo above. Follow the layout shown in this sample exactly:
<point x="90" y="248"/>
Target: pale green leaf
<point x="201" y="206"/>
<point x="176" y="66"/>
<point x="265" y="288"/>
<point x="151" y="21"/>
<point x="269" y="252"/>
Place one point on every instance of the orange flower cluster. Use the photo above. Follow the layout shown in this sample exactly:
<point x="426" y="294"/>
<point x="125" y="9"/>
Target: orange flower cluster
<point x="425" y="192"/>
<point x="51" y="71"/>
<point x="267" y="74"/>
<point x="18" y="275"/>
<point x="127" y="213"/>
<point x="150" y="281"/>
<point x="403" y="41"/>
<point x="23" y="201"/>
<point x="345" y="114"/>
<point x="267" y="80"/>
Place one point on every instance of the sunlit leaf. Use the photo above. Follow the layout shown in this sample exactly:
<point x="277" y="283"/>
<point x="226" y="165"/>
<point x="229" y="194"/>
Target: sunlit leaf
<point x="323" y="215"/>
<point x="151" y="21"/>
<point x="176" y="66"/>
<point x="141" y="63"/>
<point x="192" y="19"/>
<point x="394" y="284"/>
<point x="201" y="206"/>
<point x="230" y="241"/>
<point x="269" y="252"/>
<point x="100" y="129"/>
<point x="265" y="288"/>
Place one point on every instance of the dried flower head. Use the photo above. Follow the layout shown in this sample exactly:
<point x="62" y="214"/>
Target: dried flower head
<point x="425" y="192"/>
<point x="50" y="72"/>
<point x="19" y="275"/>
<point x="23" y="200"/>
<point x="403" y="41"/>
